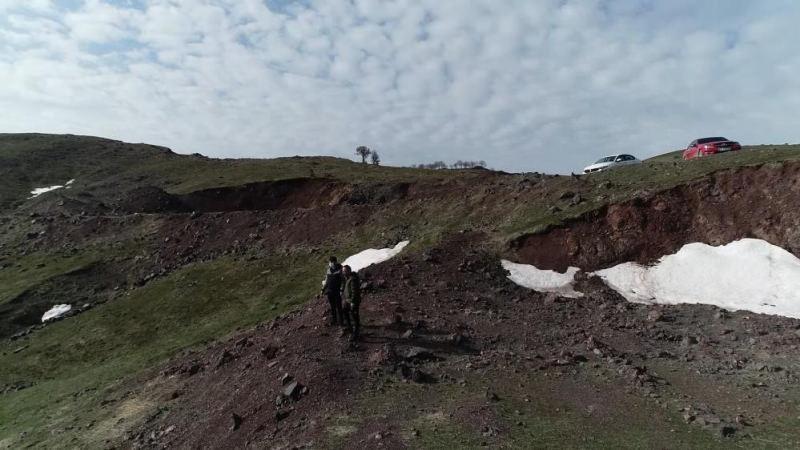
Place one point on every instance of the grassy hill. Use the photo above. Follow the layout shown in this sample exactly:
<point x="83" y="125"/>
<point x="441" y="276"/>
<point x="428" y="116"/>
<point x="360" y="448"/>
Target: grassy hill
<point x="159" y="284"/>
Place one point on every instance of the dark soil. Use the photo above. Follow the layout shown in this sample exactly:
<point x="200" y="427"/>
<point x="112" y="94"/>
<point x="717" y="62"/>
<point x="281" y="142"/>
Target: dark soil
<point x="88" y="287"/>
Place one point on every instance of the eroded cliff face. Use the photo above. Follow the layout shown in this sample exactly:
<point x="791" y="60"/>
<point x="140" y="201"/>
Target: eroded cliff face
<point x="761" y="202"/>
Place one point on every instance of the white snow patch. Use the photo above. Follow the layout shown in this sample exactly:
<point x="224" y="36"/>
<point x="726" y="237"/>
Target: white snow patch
<point x="749" y="274"/>
<point x="56" y="312"/>
<point x="39" y="191"/>
<point x="530" y="277"/>
<point x="373" y="256"/>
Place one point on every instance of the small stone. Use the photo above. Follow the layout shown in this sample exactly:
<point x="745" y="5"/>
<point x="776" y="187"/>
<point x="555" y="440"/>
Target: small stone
<point x="292" y="390"/>
<point x="237" y="421"/>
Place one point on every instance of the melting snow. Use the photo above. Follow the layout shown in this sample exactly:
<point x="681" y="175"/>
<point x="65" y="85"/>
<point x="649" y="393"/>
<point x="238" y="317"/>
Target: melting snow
<point x="56" y="312"/>
<point x="39" y="191"/>
<point x="530" y="277"/>
<point x="749" y="274"/>
<point x="373" y="256"/>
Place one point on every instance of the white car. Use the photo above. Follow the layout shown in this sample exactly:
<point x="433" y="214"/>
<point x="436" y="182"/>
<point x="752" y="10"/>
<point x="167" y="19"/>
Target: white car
<point x="611" y="161"/>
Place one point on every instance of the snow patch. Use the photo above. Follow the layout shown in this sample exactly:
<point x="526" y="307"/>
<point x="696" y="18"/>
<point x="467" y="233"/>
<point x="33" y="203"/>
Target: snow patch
<point x="39" y="191"/>
<point x="749" y="274"/>
<point x="373" y="256"/>
<point x="530" y="277"/>
<point x="56" y="312"/>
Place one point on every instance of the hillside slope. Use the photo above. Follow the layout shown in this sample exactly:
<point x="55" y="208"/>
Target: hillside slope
<point x="161" y="254"/>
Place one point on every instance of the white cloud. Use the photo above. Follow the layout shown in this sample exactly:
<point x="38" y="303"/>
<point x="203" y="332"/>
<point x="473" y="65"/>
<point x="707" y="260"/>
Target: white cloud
<point x="525" y="85"/>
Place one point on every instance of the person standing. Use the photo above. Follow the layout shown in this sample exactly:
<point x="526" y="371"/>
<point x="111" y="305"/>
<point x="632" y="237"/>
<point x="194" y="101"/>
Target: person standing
<point x="331" y="287"/>
<point x="352" y="301"/>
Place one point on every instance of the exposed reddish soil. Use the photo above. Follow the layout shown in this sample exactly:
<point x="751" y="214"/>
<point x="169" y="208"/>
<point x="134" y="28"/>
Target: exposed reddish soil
<point x="283" y="194"/>
<point x="296" y="193"/>
<point x="723" y="371"/>
<point x="448" y="316"/>
<point x="753" y="202"/>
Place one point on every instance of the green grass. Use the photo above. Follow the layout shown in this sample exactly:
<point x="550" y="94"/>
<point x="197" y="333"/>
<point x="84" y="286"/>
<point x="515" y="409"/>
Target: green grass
<point x="557" y="415"/>
<point x="621" y="184"/>
<point x="77" y="363"/>
<point x="31" y="270"/>
<point x="446" y="415"/>
<point x="28" y="161"/>
<point x="72" y="363"/>
<point x="419" y="407"/>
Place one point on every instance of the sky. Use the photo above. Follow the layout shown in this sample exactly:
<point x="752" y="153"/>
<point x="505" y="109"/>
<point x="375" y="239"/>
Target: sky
<point x="528" y="85"/>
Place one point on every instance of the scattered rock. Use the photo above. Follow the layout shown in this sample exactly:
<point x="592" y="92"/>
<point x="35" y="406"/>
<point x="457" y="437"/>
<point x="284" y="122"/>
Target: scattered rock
<point x="655" y="316"/>
<point x="292" y="390"/>
<point x="225" y="358"/>
<point x="237" y="421"/>
<point x="419" y="354"/>
<point x="576" y="200"/>
<point x="727" y="431"/>
<point x="566" y="194"/>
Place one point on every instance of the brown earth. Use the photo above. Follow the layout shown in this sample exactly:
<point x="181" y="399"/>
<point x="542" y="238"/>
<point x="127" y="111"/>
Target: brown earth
<point x="450" y="319"/>
<point x="758" y="202"/>
<point x="474" y="335"/>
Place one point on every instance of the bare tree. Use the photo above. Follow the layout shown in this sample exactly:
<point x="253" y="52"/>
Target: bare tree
<point x="363" y="152"/>
<point x="376" y="160"/>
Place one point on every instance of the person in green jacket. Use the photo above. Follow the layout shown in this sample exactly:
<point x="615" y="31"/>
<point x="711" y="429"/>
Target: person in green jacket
<point x="352" y="301"/>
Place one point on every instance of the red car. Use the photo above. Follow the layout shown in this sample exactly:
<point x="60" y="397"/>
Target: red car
<point x="710" y="146"/>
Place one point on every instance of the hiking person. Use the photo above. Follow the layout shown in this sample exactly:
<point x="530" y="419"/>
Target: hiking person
<point x="331" y="287"/>
<point x="352" y="301"/>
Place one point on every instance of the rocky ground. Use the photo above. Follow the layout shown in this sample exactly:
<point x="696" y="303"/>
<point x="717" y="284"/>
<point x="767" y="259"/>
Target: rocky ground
<point x="194" y="322"/>
<point x="449" y="320"/>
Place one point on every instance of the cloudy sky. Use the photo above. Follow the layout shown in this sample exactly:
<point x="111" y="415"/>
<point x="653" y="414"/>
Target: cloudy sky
<point x="525" y="85"/>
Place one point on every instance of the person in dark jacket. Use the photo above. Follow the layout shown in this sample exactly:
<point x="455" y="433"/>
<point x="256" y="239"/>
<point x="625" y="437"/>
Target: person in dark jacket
<point x="331" y="287"/>
<point x="352" y="301"/>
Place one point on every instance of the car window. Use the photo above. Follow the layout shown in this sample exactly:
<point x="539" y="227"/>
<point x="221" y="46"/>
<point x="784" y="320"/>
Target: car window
<point x="606" y="159"/>
<point x="693" y="143"/>
<point x="627" y="158"/>
<point x="711" y="139"/>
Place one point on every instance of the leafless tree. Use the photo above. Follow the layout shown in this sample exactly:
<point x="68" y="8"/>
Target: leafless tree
<point x="376" y="160"/>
